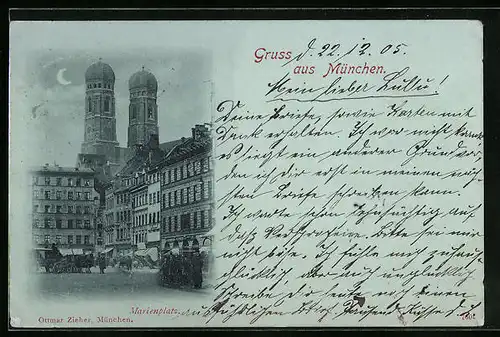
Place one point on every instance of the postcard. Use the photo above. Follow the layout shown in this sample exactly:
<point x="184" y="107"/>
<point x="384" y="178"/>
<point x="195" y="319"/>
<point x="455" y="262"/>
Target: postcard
<point x="246" y="174"/>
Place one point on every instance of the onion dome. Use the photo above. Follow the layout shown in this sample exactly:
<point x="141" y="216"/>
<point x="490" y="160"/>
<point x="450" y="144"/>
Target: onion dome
<point x="100" y="71"/>
<point x="143" y="79"/>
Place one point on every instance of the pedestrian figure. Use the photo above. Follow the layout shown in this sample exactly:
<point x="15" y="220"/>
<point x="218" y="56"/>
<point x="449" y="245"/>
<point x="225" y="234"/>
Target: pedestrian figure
<point x="102" y="264"/>
<point x="197" y="264"/>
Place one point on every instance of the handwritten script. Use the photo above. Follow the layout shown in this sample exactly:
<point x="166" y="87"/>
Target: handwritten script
<point x="349" y="190"/>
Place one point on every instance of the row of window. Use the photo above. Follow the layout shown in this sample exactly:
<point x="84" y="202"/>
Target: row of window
<point x="141" y="200"/>
<point x="63" y="209"/>
<point x="61" y="195"/>
<point x="187" y="195"/>
<point x="183" y="171"/>
<point x="62" y="224"/>
<point x="122" y="198"/>
<point x="58" y="181"/>
<point x="99" y="85"/>
<point x="134" y="110"/>
<point x="92" y="104"/>
<point x="187" y="170"/>
<point x="58" y="239"/>
<point x="142" y="220"/>
<point x="187" y="222"/>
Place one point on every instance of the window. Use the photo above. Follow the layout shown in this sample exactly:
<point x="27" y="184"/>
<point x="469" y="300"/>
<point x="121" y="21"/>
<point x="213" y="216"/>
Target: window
<point x="176" y="199"/>
<point x="47" y="180"/>
<point x="204" y="190"/>
<point x="150" y="111"/>
<point x="177" y="174"/>
<point x="36" y="238"/>
<point x="78" y="195"/>
<point x="70" y="181"/>
<point x="79" y="224"/>
<point x="78" y="182"/>
<point x="154" y="198"/>
<point x="58" y="209"/>
<point x="78" y="209"/>
<point x="70" y="209"/>
<point x="58" y="195"/>
<point x="35" y="180"/>
<point x="169" y="176"/>
<point x="196" y="167"/>
<point x="98" y="85"/>
<point x="70" y="239"/>
<point x="47" y="223"/>
<point x="86" y="224"/>
<point x="154" y="217"/>
<point x="195" y="219"/>
<point x="177" y="222"/>
<point x="202" y="218"/>
<point x="35" y="208"/>
<point x="158" y="196"/>
<point x="209" y="216"/>
<point x="58" y="239"/>
<point x="47" y="195"/>
<point x="169" y="199"/>
<point x="164" y="200"/>
<point x="58" y="181"/>
<point x="87" y="210"/>
<point x="150" y="199"/>
<point x="209" y="189"/>
<point x="196" y="192"/>
<point x="89" y="104"/>
<point x="47" y="238"/>
<point x="133" y="112"/>
<point x="189" y="192"/>
<point x="150" y="217"/>
<point x="86" y="239"/>
<point x="37" y="223"/>
<point x="189" y="169"/>
<point x="47" y="208"/>
<point x="183" y="196"/>
<point x="87" y="195"/>
<point x="35" y="194"/>
<point x="70" y="224"/>
<point x="106" y="104"/>
<point x="204" y="164"/>
<point x="78" y="239"/>
<point x="183" y="172"/>
<point x="185" y="222"/>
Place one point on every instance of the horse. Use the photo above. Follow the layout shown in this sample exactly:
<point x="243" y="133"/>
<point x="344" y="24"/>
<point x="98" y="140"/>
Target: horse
<point x="126" y="262"/>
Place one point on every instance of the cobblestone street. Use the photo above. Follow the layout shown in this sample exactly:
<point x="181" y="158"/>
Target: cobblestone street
<point x="115" y="282"/>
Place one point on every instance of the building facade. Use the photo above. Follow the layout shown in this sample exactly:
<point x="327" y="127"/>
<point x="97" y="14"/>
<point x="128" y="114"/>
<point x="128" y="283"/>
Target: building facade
<point x="64" y="207"/>
<point x="153" y="218"/>
<point x="187" y="192"/>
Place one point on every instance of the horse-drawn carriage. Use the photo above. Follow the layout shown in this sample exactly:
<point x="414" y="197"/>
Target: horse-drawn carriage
<point x="53" y="261"/>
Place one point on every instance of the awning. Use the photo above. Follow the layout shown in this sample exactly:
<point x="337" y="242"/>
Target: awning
<point x="107" y="250"/>
<point x="75" y="251"/>
<point x="152" y="252"/>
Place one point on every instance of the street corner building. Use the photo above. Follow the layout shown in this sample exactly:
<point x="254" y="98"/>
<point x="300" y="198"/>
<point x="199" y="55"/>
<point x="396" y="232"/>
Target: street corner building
<point x="64" y="204"/>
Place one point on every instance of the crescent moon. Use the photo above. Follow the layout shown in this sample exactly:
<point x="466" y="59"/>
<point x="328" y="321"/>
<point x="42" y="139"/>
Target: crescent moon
<point x="60" y="77"/>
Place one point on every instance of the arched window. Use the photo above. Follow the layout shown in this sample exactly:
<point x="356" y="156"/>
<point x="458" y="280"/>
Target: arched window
<point x="133" y="112"/>
<point x="106" y="103"/>
<point x="150" y="111"/>
<point x="89" y="101"/>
